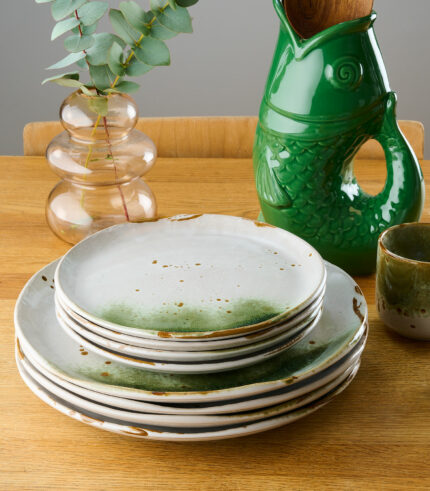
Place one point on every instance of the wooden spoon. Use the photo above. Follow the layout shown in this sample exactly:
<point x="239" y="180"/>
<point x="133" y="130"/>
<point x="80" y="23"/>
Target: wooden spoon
<point x="308" y="17"/>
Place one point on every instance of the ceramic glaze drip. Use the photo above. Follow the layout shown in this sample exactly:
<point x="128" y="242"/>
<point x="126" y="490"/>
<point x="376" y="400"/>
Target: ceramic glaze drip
<point x="181" y="318"/>
<point x="325" y="97"/>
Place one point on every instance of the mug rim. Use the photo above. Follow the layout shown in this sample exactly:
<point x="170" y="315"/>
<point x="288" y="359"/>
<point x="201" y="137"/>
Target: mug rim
<point x="397" y="256"/>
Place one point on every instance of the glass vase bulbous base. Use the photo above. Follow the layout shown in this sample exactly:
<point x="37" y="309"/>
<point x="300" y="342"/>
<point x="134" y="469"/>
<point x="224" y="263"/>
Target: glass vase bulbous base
<point x="73" y="212"/>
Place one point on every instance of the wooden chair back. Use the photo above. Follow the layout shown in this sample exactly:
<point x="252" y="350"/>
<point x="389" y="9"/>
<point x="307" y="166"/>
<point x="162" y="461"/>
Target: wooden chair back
<point x="206" y="137"/>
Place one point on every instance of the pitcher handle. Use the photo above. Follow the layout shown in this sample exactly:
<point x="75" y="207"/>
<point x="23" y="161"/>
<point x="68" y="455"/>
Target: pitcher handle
<point x="404" y="175"/>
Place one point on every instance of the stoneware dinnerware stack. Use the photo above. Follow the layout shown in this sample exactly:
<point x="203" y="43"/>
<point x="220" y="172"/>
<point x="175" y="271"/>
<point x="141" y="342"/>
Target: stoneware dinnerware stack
<point x="190" y="328"/>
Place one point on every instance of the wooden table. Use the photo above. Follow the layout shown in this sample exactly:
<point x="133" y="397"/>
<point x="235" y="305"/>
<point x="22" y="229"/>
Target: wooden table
<point x="375" y="435"/>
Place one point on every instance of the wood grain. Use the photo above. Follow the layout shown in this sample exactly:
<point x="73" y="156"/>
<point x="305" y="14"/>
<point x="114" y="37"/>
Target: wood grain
<point x="308" y="17"/>
<point x="206" y="137"/>
<point x="376" y="435"/>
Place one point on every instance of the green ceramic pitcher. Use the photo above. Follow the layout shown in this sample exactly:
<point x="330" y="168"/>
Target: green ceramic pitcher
<point x="325" y="97"/>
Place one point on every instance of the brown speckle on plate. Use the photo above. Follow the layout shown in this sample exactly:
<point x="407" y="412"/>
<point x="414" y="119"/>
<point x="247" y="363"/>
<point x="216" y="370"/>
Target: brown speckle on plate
<point x="356" y="307"/>
<point x="104" y="374"/>
<point x="154" y="261"/>
<point x="135" y="431"/>
<point x="44" y="278"/>
<point x="108" y="362"/>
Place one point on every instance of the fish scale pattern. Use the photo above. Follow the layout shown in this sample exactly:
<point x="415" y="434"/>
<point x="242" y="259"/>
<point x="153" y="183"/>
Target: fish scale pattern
<point x="311" y="186"/>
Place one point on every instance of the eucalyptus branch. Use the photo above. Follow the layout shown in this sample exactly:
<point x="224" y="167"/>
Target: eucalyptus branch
<point x="142" y="34"/>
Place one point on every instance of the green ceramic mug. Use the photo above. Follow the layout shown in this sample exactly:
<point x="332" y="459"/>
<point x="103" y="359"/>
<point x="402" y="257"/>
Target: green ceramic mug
<point x="403" y="279"/>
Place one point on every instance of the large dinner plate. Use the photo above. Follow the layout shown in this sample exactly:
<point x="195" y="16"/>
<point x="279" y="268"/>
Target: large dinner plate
<point x="219" y="407"/>
<point x="340" y="328"/>
<point x="180" y="420"/>
<point x="190" y="277"/>
<point x="151" y="432"/>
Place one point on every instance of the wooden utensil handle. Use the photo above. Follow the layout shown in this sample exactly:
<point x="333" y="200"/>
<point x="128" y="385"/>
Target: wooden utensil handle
<point x="308" y="17"/>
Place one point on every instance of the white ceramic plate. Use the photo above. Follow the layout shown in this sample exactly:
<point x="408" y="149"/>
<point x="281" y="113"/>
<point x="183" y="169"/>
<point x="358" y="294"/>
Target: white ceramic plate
<point x="189" y="367"/>
<point x="184" y="421"/>
<point x="161" y="433"/>
<point x="190" y="277"/>
<point x="183" y="356"/>
<point x="248" y="404"/>
<point x="341" y="327"/>
<point x="204" y="345"/>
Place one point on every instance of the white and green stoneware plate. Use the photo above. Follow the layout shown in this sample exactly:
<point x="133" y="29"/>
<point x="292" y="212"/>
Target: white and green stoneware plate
<point x="184" y="421"/>
<point x="201" y="367"/>
<point x="177" y="434"/>
<point x="190" y="277"/>
<point x="221" y="407"/>
<point x="184" y="356"/>
<point x="207" y="344"/>
<point x="341" y="327"/>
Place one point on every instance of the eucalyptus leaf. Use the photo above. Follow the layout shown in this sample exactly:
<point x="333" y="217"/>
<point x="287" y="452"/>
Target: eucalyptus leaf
<point x="178" y="20"/>
<point x="99" y="105"/>
<point x="75" y="43"/>
<point x="69" y="75"/>
<point x="127" y="87"/>
<point x="68" y="82"/>
<point x="102" y="76"/>
<point x="160" y="32"/>
<point x="136" y="68"/>
<point x="172" y="4"/>
<point x="86" y="30"/>
<point x="87" y="91"/>
<point x="186" y="3"/>
<point x="123" y="28"/>
<point x="135" y="16"/>
<point x="99" y="51"/>
<point x="92" y="12"/>
<point x="68" y="60"/>
<point x="115" y="61"/>
<point x="82" y="64"/>
<point x="157" y="5"/>
<point x="153" y="52"/>
<point x="64" y="26"/>
<point x="63" y="8"/>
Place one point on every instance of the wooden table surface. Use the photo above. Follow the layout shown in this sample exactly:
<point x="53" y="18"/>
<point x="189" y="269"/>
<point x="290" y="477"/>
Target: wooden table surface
<point x="375" y="435"/>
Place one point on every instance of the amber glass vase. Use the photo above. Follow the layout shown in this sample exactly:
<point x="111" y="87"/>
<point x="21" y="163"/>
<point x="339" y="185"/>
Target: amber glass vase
<point x="100" y="160"/>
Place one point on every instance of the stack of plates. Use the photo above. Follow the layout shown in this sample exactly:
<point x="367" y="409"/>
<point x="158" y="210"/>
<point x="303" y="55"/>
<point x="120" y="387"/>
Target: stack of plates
<point x="232" y="311"/>
<point x="190" y="296"/>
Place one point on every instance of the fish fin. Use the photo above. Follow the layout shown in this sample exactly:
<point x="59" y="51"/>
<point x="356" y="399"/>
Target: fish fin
<point x="270" y="189"/>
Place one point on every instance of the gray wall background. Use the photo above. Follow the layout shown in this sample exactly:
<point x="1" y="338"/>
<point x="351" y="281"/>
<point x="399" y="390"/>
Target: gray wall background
<point x="218" y="70"/>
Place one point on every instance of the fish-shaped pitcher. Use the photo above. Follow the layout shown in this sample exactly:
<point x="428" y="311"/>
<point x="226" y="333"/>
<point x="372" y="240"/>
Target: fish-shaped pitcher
<point x="325" y="97"/>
